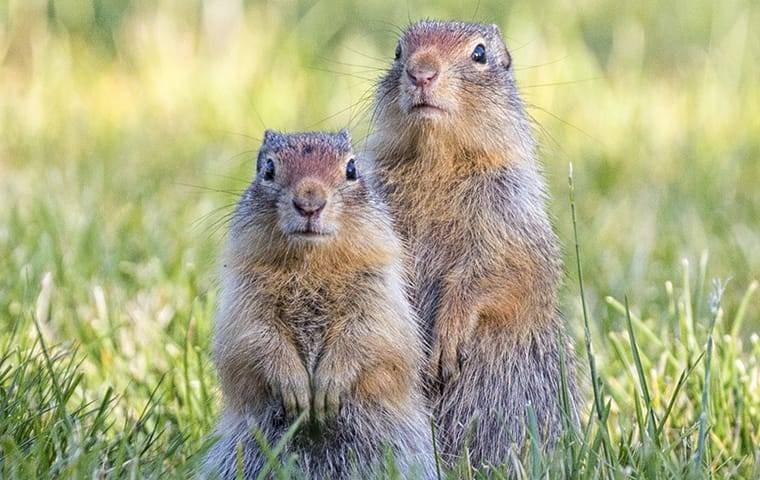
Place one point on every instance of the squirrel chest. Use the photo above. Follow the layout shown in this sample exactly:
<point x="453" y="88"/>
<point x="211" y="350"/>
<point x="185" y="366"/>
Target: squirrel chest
<point x="311" y="308"/>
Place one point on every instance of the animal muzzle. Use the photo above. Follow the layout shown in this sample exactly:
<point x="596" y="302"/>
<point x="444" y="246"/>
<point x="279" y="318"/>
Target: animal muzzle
<point x="423" y="71"/>
<point x="309" y="198"/>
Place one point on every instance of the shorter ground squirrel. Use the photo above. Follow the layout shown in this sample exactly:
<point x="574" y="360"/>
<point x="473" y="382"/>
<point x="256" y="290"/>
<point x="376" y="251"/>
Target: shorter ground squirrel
<point x="313" y="320"/>
<point x="455" y="155"/>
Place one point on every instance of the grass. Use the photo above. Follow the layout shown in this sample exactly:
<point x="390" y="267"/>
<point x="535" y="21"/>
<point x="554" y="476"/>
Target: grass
<point x="127" y="129"/>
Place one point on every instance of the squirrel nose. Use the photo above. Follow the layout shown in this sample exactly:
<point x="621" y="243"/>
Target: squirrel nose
<point x="309" y="207"/>
<point x="422" y="76"/>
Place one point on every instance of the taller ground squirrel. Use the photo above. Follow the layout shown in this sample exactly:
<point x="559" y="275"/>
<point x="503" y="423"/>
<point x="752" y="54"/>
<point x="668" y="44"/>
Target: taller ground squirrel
<point x="454" y="153"/>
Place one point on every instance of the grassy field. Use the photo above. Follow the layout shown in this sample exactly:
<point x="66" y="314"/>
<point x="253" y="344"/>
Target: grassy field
<point x="128" y="128"/>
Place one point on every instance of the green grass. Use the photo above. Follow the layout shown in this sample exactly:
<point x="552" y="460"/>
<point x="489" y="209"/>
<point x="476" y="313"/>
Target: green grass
<point x="128" y="128"/>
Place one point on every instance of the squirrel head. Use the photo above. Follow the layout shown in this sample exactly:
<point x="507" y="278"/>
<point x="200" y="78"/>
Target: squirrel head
<point x="453" y="78"/>
<point x="305" y="177"/>
<point x="308" y="194"/>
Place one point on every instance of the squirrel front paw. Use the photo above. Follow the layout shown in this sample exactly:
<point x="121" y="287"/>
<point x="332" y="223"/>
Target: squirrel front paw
<point x="446" y="360"/>
<point x="330" y="385"/>
<point x="292" y="388"/>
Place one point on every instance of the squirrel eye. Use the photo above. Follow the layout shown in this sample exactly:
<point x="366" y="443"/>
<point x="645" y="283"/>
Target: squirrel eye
<point x="351" y="170"/>
<point x="398" y="51"/>
<point x="479" y="54"/>
<point x="268" y="171"/>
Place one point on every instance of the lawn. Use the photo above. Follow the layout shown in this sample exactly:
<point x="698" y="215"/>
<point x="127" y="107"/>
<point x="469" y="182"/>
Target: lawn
<point x="128" y="129"/>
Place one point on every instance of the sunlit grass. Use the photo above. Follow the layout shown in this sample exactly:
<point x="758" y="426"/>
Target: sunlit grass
<point x="126" y="135"/>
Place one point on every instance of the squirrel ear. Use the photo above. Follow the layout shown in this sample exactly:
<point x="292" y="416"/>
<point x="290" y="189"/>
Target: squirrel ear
<point x="507" y="60"/>
<point x="345" y="135"/>
<point x="270" y="135"/>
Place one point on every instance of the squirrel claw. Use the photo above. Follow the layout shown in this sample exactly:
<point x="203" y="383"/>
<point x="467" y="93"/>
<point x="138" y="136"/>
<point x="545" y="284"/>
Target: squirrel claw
<point x="327" y="395"/>
<point x="449" y="370"/>
<point x="446" y="364"/>
<point x="295" y="398"/>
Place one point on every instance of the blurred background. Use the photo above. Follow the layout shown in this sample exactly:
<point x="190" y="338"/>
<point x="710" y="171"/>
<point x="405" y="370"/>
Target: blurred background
<point x="128" y="128"/>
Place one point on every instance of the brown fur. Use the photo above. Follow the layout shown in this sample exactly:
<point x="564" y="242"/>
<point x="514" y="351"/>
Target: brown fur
<point x="313" y="320"/>
<point x="456" y="159"/>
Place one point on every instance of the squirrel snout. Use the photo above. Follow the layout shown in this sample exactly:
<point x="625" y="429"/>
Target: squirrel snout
<point x="309" y="207"/>
<point x="309" y="199"/>
<point x="422" y="75"/>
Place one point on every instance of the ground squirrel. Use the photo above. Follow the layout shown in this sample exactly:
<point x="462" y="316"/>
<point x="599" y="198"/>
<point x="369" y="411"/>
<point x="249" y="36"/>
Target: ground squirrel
<point x="454" y="153"/>
<point x="313" y="320"/>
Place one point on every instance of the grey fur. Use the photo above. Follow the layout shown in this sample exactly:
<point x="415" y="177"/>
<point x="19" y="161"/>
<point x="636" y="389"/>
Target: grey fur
<point x="359" y="446"/>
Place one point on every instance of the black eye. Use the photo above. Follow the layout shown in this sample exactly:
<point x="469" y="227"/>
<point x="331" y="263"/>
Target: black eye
<point x="398" y="51"/>
<point x="351" y="170"/>
<point x="479" y="54"/>
<point x="268" y="171"/>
